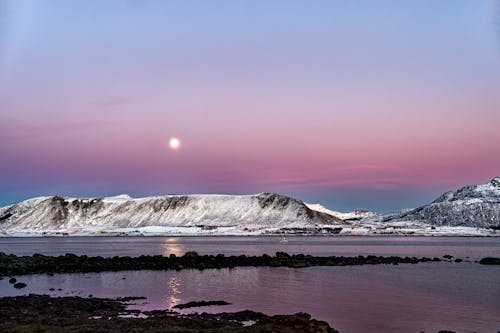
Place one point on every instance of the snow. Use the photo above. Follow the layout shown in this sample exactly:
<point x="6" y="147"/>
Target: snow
<point x="192" y="213"/>
<point x="118" y="198"/>
<point x="247" y="323"/>
<point x="343" y="216"/>
<point x="264" y="213"/>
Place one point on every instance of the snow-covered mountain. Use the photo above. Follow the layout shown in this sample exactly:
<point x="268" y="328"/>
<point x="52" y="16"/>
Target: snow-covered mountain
<point x="472" y="210"/>
<point x="470" y="206"/>
<point x="358" y="214"/>
<point x="168" y="213"/>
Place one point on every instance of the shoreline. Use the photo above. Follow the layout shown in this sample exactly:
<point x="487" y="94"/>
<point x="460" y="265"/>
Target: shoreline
<point x="159" y="235"/>
<point x="87" y="314"/>
<point x="11" y="264"/>
<point x="77" y="314"/>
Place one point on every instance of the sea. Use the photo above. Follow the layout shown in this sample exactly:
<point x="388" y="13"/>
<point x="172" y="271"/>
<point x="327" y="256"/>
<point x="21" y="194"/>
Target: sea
<point x="425" y="297"/>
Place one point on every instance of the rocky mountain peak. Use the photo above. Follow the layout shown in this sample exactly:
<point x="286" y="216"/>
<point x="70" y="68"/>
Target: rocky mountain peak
<point x="472" y="206"/>
<point x="495" y="182"/>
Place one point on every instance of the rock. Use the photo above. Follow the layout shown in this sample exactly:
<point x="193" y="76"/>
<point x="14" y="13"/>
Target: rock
<point x="19" y="285"/>
<point x="195" y="304"/>
<point x="299" y="322"/>
<point x="77" y="314"/>
<point x="15" y="265"/>
<point x="490" y="261"/>
<point x="130" y="298"/>
<point x="12" y="280"/>
<point x="282" y="255"/>
<point x="191" y="254"/>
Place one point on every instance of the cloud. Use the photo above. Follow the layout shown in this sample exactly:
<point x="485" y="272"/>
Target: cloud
<point x="12" y="133"/>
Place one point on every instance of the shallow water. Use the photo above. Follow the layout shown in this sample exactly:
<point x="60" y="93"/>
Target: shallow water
<point x="464" y="297"/>
<point x="473" y="247"/>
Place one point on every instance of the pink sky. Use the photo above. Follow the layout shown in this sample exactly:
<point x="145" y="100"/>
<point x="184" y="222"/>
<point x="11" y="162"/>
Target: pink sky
<point x="317" y="100"/>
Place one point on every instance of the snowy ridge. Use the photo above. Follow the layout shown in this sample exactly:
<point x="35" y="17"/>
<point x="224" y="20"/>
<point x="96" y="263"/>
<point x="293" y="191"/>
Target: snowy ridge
<point x="470" y="206"/>
<point x="470" y="211"/>
<point x="355" y="215"/>
<point x="207" y="212"/>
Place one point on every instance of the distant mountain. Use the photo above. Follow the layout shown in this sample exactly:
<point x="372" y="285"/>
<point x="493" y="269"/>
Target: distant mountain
<point x="470" y="206"/>
<point x="471" y="210"/>
<point x="358" y="214"/>
<point x="252" y="212"/>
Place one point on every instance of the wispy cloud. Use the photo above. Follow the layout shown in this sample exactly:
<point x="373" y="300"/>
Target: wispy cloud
<point x="23" y="132"/>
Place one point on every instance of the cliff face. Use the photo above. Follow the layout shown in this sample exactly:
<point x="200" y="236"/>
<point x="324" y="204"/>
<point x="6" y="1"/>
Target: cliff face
<point x="470" y="206"/>
<point x="265" y="210"/>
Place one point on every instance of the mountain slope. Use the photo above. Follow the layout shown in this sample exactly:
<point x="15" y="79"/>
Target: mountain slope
<point x="264" y="210"/>
<point x="470" y="206"/>
<point x="358" y="214"/>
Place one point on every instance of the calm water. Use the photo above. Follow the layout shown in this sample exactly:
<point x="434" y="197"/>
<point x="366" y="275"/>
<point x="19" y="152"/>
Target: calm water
<point x="406" y="298"/>
<point x="464" y="297"/>
<point x="473" y="247"/>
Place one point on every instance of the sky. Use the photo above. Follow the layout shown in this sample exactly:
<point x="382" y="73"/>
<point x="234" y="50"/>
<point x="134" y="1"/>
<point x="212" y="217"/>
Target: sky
<point x="368" y="104"/>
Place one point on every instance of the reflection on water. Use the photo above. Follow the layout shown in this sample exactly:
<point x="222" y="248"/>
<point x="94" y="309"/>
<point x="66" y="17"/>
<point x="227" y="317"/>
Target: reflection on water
<point x="171" y="245"/>
<point x="173" y="288"/>
<point x="463" y="297"/>
<point x="473" y="247"/>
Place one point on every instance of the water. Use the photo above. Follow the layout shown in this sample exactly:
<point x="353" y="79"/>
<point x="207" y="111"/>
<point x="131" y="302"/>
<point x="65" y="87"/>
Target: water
<point x="407" y="298"/>
<point x="473" y="247"/>
<point x="464" y="297"/>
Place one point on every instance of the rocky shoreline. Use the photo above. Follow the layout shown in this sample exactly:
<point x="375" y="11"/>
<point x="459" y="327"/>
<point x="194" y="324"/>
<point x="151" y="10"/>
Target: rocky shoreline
<point x="41" y="313"/>
<point x="70" y="263"/>
<point x="44" y="314"/>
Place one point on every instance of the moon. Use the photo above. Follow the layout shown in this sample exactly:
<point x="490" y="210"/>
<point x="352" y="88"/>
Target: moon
<point x="174" y="143"/>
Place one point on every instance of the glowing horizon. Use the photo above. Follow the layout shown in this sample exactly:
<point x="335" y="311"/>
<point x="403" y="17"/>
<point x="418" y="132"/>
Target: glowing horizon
<point x="377" y="105"/>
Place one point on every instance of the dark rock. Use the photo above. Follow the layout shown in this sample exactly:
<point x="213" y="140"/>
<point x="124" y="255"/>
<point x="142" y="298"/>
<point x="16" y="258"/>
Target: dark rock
<point x="191" y="254"/>
<point x="490" y="261"/>
<point x="195" y="304"/>
<point x="12" y="280"/>
<point x="77" y="314"/>
<point x="19" y="285"/>
<point x="130" y="298"/>
<point x="37" y="264"/>
<point x="282" y="255"/>
<point x="5" y="216"/>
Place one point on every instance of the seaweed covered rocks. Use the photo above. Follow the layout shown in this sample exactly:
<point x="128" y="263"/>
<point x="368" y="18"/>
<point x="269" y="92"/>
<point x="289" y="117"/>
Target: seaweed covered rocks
<point x="71" y="263"/>
<point x="76" y="314"/>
